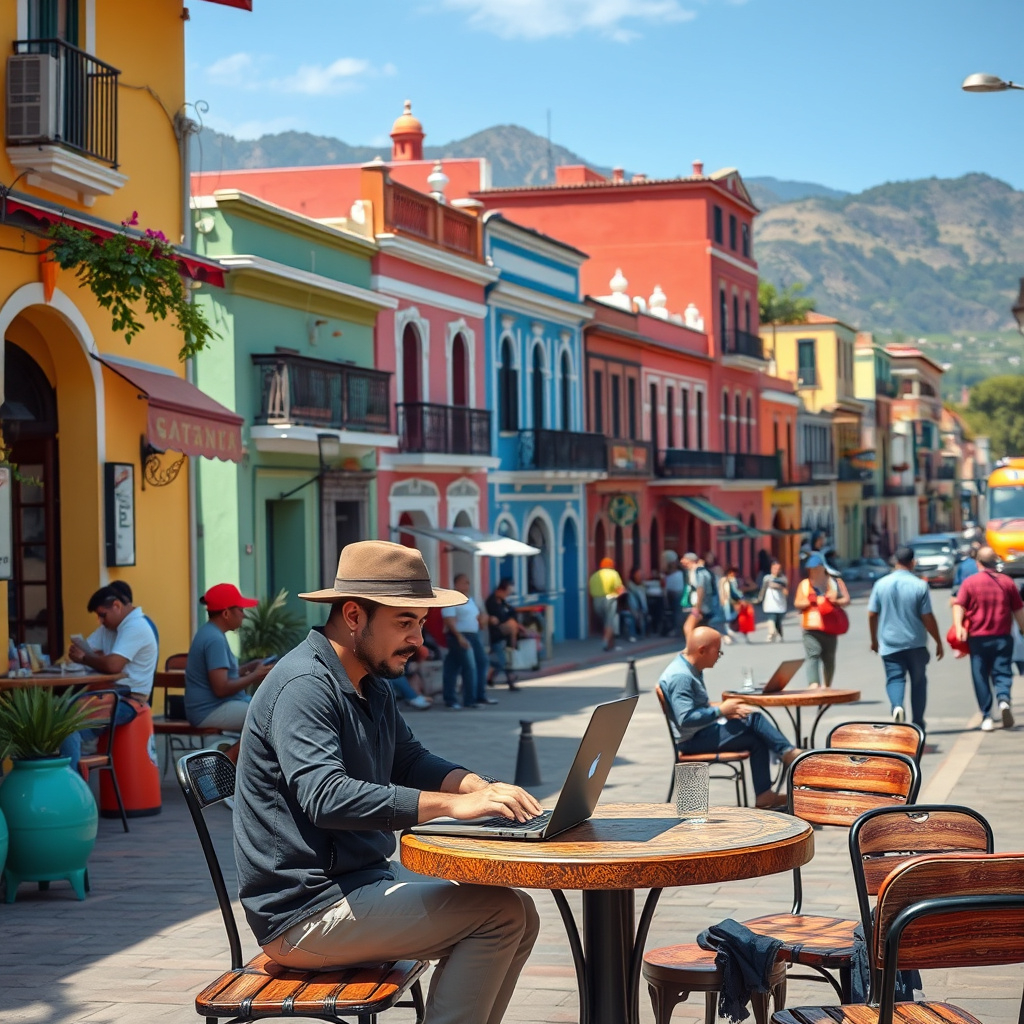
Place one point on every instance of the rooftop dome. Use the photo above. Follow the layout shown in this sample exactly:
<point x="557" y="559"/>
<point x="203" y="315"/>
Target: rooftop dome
<point x="406" y="124"/>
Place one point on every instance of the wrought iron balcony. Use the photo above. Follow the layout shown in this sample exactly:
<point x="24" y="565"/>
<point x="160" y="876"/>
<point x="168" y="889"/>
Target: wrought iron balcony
<point x="443" y="429"/>
<point x="318" y="393"/>
<point x="629" y="458"/>
<point x="562" y="449"/>
<point x="742" y="343"/>
<point x="814" y="472"/>
<point x="682" y="464"/>
<point x="59" y="93"/>
<point x="898" y="490"/>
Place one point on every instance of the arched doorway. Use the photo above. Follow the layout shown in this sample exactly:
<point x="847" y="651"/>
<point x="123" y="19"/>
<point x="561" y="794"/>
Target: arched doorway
<point x="462" y="561"/>
<point x="29" y="419"/>
<point x="753" y="545"/>
<point x="508" y="388"/>
<point x="460" y="371"/>
<point x="600" y="543"/>
<point x="565" y="382"/>
<point x="537" y="386"/>
<point x="620" y="549"/>
<point x="655" y="552"/>
<point x="570" y="581"/>
<point x="635" y="562"/>
<point x="538" y="567"/>
<point x="411" y="425"/>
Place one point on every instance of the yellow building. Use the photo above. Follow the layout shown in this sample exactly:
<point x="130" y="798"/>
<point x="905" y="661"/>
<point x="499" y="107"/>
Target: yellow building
<point x="95" y="132"/>
<point x="818" y="357"/>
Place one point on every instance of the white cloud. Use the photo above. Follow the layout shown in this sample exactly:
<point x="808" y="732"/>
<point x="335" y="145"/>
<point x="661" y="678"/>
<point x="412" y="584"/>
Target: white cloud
<point x="237" y="69"/>
<point x="542" y="19"/>
<point x="343" y="75"/>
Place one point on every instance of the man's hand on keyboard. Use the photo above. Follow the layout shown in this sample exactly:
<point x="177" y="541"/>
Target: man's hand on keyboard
<point x="497" y="798"/>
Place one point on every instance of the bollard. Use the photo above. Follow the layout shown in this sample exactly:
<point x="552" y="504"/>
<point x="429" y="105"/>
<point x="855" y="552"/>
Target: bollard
<point x="632" y="682"/>
<point x="527" y="768"/>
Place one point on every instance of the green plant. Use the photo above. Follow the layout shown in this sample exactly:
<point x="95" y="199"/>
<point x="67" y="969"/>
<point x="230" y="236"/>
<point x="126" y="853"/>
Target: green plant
<point x="270" y="628"/>
<point x="123" y="270"/>
<point x="34" y="722"/>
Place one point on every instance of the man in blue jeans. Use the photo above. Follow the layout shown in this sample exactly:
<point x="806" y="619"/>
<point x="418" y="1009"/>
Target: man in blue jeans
<point x="900" y="619"/>
<point x="705" y="728"/>
<point x="466" y="656"/>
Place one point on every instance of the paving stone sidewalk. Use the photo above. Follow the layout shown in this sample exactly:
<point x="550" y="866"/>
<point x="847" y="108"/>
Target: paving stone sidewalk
<point x="149" y="936"/>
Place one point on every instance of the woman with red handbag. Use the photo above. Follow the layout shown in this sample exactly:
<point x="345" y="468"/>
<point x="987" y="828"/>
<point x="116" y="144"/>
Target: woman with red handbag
<point x="821" y="599"/>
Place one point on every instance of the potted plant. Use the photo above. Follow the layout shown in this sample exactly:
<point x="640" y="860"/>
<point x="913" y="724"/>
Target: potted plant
<point x="50" y="811"/>
<point x="271" y="628"/>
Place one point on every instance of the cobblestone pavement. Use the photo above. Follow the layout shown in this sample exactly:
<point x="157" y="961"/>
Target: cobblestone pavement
<point x="149" y="936"/>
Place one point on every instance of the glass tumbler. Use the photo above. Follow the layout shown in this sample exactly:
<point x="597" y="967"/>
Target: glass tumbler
<point x="692" y="792"/>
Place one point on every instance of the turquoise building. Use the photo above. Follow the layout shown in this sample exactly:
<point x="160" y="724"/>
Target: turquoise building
<point x="535" y="388"/>
<point x="295" y="358"/>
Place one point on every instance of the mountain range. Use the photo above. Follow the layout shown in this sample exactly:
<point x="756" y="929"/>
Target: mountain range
<point x="933" y="256"/>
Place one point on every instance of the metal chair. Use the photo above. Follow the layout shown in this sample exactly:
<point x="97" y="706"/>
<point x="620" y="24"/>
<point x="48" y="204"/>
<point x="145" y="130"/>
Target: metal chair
<point x="261" y="988"/>
<point x="936" y="912"/>
<point x="733" y="761"/>
<point x="895" y="737"/>
<point x="103" y="762"/>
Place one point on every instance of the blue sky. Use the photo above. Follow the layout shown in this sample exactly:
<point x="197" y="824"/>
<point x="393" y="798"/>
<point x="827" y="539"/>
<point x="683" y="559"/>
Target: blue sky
<point x="848" y="94"/>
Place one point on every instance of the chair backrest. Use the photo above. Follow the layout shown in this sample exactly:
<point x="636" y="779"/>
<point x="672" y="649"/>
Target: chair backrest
<point x="164" y="682"/>
<point x="102" y="710"/>
<point x="948" y="910"/>
<point x="833" y="787"/>
<point x="176" y="662"/>
<point x="673" y="730"/>
<point x="206" y="777"/>
<point x="896" y="737"/>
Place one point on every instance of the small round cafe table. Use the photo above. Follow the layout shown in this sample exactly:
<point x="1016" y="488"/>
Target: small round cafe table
<point x="792" y="701"/>
<point x="90" y="680"/>
<point x="623" y="847"/>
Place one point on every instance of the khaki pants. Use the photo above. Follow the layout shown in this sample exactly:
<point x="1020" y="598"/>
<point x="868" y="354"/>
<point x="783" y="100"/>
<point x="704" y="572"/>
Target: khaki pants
<point x="481" y="935"/>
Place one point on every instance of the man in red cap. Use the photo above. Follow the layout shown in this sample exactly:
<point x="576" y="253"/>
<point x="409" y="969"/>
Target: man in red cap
<point x="215" y="696"/>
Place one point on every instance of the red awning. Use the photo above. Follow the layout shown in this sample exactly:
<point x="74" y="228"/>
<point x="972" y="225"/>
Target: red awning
<point x="242" y="5"/>
<point x="181" y="417"/>
<point x="37" y="212"/>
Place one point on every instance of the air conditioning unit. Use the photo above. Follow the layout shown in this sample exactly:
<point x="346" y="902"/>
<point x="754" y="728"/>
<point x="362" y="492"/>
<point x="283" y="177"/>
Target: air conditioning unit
<point x="33" y="98"/>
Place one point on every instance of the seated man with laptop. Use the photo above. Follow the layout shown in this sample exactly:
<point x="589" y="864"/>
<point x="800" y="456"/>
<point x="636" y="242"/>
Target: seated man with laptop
<point x="327" y="772"/>
<point x="706" y="728"/>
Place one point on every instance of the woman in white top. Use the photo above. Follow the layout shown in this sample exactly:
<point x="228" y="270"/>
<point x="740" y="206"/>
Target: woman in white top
<point x="774" y="598"/>
<point x="466" y="655"/>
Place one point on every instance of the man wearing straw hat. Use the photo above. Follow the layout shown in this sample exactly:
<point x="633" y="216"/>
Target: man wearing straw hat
<point x="328" y="771"/>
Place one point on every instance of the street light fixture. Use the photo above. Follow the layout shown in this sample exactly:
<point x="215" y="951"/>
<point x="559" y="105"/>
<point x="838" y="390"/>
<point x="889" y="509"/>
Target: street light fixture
<point x="328" y="447"/>
<point x="987" y="83"/>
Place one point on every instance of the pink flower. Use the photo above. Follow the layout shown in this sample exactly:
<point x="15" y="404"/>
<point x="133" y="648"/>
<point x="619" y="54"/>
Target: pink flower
<point x="158" y="236"/>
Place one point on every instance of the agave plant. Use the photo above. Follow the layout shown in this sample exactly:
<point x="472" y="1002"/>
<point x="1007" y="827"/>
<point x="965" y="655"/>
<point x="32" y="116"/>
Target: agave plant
<point x="34" y="722"/>
<point x="270" y="628"/>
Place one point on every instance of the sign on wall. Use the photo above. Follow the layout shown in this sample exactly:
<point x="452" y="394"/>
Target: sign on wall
<point x="6" y="564"/>
<point x="119" y="501"/>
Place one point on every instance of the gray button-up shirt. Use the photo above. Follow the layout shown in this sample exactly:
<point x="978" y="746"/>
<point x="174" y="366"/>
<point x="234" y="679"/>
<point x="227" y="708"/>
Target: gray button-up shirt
<point x="683" y="687"/>
<point x="324" y="779"/>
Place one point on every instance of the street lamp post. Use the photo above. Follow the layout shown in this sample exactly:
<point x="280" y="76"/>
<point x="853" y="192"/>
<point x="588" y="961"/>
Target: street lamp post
<point x="987" y="83"/>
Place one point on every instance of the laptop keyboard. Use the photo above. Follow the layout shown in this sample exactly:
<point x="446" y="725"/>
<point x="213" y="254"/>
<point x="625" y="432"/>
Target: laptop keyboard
<point x="518" y="826"/>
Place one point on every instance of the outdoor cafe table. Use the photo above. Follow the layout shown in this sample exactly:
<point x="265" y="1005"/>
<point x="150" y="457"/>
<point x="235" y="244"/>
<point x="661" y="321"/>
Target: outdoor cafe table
<point x="821" y="697"/>
<point x="91" y="680"/>
<point x="623" y="847"/>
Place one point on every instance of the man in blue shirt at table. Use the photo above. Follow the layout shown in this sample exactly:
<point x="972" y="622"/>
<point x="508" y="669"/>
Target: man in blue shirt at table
<point x="900" y="620"/>
<point x="706" y="728"/>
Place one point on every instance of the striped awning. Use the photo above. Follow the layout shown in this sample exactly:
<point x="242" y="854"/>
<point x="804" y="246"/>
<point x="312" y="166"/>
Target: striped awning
<point x="711" y="514"/>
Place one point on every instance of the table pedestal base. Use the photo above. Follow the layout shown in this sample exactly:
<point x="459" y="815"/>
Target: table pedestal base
<point x="609" y="959"/>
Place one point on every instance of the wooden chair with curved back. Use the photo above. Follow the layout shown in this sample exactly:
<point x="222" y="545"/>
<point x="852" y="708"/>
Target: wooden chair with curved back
<point x="733" y="761"/>
<point x="834" y="788"/>
<point x="102" y="708"/>
<point x="935" y="912"/>
<point x="898" y="737"/>
<point x="179" y="734"/>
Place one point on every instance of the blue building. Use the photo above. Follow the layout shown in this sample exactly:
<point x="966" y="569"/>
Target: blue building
<point x="535" y="389"/>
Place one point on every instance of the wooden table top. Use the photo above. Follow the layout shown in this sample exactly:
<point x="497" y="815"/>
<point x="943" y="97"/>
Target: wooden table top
<point x="624" y="846"/>
<point x="818" y="697"/>
<point x="95" y="680"/>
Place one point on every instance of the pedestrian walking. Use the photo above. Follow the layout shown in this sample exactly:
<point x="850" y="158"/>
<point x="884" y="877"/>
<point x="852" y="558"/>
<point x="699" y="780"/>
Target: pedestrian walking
<point x="965" y="567"/>
<point x="675" y="588"/>
<point x="729" y="597"/>
<point x="986" y="606"/>
<point x="900" y="620"/>
<point x="704" y="606"/>
<point x="774" y="599"/>
<point x="818" y="597"/>
<point x="466" y="655"/>
<point x="606" y="587"/>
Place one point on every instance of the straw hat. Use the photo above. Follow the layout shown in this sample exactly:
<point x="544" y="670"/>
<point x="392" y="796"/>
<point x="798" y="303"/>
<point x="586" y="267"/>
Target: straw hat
<point x="387" y="573"/>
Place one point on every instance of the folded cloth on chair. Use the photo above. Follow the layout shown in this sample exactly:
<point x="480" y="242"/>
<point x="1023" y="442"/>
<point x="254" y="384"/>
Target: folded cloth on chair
<point x="860" y="974"/>
<point x="745" y="959"/>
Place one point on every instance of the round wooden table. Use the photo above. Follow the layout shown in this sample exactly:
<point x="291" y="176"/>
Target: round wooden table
<point x="821" y="697"/>
<point x="91" y="680"/>
<point x="623" y="847"/>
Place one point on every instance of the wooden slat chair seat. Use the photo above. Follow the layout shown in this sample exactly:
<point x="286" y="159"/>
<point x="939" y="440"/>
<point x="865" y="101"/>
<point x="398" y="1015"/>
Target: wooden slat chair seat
<point x="734" y="761"/>
<point x="935" y="912"/>
<point x="897" y="737"/>
<point x="673" y="972"/>
<point x="829" y="787"/>
<point x="261" y="988"/>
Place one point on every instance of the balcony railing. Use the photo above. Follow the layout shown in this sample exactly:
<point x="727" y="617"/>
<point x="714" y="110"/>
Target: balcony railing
<point x="807" y="377"/>
<point x="562" y="449"/>
<point x="814" y="472"/>
<point x="898" y="490"/>
<point x="742" y="343"/>
<point x="681" y="464"/>
<point x="443" y="429"/>
<point x="65" y="96"/>
<point x="629" y="458"/>
<point x="317" y="393"/>
<point x="409" y="212"/>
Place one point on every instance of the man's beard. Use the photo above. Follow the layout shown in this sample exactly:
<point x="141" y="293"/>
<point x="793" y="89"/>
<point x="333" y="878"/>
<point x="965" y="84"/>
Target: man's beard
<point x="381" y="669"/>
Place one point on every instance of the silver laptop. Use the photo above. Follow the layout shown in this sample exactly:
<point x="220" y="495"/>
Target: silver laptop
<point x="780" y="677"/>
<point x="579" y="794"/>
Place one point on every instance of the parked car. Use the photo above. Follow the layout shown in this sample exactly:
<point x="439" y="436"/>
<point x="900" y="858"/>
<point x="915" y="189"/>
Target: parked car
<point x="935" y="557"/>
<point x="866" y="569"/>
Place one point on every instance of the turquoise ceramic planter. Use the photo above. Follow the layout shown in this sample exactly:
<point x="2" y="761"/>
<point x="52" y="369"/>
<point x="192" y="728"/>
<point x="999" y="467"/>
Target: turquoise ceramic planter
<point x="51" y="820"/>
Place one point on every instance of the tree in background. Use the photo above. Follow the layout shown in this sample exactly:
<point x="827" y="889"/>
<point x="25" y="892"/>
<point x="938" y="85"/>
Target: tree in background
<point x="790" y="306"/>
<point x="996" y="409"/>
